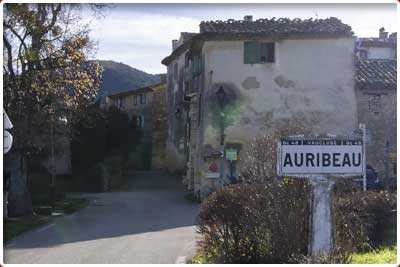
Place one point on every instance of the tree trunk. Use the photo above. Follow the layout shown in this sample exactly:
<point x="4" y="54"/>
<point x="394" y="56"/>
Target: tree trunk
<point x="19" y="198"/>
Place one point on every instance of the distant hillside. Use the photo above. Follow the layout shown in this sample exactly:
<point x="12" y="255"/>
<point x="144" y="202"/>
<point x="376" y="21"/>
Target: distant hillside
<point x="119" y="77"/>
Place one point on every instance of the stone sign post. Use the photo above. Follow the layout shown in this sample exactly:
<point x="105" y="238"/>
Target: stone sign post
<point x="319" y="160"/>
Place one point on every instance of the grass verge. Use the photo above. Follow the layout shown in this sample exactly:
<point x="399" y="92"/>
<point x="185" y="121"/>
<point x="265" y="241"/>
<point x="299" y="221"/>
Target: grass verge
<point x="15" y="226"/>
<point x="71" y="205"/>
<point x="379" y="256"/>
<point x="199" y="259"/>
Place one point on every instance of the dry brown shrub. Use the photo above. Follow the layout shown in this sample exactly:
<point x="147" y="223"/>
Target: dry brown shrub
<point x="255" y="223"/>
<point x="260" y="160"/>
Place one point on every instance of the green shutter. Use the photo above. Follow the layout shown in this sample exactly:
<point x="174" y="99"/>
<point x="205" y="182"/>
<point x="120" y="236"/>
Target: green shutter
<point x="196" y="67"/>
<point x="251" y="52"/>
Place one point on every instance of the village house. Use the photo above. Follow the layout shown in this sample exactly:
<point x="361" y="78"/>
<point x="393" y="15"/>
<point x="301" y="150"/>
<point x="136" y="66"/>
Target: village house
<point x="147" y="104"/>
<point x="231" y="81"/>
<point x="383" y="47"/>
<point x="376" y="83"/>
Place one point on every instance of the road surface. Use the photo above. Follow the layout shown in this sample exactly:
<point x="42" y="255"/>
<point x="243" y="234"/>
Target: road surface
<point x="149" y="221"/>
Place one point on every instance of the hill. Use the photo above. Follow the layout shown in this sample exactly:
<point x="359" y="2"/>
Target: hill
<point x="119" y="77"/>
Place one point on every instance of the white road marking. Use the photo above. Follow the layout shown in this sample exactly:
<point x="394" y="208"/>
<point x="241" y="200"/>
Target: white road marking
<point x="45" y="228"/>
<point x="181" y="260"/>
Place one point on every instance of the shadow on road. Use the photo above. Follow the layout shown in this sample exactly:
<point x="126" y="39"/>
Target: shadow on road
<point x="147" y="203"/>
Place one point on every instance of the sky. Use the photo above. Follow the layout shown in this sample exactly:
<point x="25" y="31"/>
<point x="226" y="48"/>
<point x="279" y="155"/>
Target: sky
<point x="140" y="35"/>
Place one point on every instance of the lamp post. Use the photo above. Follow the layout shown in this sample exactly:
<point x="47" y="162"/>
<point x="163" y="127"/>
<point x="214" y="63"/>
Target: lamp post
<point x="221" y="97"/>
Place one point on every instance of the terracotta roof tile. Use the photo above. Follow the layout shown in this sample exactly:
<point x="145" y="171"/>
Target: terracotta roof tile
<point x="283" y="25"/>
<point x="376" y="73"/>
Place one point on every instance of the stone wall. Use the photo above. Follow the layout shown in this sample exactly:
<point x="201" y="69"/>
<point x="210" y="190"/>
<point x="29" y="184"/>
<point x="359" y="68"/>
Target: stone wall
<point x="377" y="109"/>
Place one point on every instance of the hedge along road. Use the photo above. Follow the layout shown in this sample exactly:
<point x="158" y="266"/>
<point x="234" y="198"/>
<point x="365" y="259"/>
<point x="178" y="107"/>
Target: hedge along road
<point x="148" y="222"/>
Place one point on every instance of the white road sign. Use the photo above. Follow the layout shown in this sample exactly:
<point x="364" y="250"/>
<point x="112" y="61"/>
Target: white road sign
<point x="302" y="157"/>
<point x="6" y="121"/>
<point x="7" y="141"/>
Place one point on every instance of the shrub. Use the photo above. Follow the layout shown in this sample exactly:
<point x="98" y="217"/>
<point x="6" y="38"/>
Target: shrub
<point x="92" y="180"/>
<point x="88" y="146"/>
<point x="147" y="156"/>
<point x="260" y="160"/>
<point x="123" y="134"/>
<point x="269" y="222"/>
<point x="114" y="169"/>
<point x="255" y="223"/>
<point x="361" y="218"/>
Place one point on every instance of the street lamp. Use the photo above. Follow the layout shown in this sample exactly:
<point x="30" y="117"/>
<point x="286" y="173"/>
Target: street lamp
<point x="221" y="98"/>
<point x="221" y="95"/>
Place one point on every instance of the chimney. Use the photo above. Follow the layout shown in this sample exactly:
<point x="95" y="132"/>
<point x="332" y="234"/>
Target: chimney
<point x="382" y="34"/>
<point x="174" y="44"/>
<point x="248" y="18"/>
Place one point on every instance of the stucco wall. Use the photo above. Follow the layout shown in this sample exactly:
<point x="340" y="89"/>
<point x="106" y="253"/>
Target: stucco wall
<point x="176" y="160"/>
<point x="312" y="80"/>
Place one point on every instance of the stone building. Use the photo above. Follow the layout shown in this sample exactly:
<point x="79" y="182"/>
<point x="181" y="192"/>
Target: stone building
<point x="376" y="85"/>
<point x="382" y="47"/>
<point x="147" y="104"/>
<point x="228" y="83"/>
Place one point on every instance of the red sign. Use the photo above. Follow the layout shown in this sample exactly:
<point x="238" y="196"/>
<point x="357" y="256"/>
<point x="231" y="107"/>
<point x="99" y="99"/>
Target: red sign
<point x="213" y="167"/>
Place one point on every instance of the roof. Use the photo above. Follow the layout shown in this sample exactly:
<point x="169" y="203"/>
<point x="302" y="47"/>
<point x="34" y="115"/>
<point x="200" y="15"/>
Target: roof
<point x="283" y="25"/>
<point x="376" y="42"/>
<point x="271" y="28"/>
<point x="135" y="91"/>
<point x="376" y="73"/>
<point x="188" y="35"/>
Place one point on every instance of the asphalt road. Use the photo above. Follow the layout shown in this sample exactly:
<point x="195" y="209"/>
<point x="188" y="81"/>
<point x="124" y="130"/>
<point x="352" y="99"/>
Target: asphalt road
<point x="149" y="221"/>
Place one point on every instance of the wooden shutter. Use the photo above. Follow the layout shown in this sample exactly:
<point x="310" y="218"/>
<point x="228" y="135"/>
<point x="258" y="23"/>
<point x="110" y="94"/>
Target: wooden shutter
<point x="267" y="52"/>
<point x="251" y="52"/>
<point x="271" y="52"/>
<point x="196" y="66"/>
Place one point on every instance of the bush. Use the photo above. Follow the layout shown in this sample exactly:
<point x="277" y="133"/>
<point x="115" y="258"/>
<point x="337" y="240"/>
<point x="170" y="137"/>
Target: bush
<point x="261" y="158"/>
<point x="123" y="134"/>
<point x="88" y="147"/>
<point x="100" y="147"/>
<point x="255" y="223"/>
<point x="361" y="218"/>
<point x="92" y="180"/>
<point x="114" y="169"/>
<point x="147" y="156"/>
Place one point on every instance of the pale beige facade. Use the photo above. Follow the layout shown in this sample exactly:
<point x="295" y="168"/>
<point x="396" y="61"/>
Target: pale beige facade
<point x="308" y="77"/>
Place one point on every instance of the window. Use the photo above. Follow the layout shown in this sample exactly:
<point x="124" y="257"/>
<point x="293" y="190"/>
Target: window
<point x="135" y="100"/>
<point x="187" y="86"/>
<point x="176" y="71"/>
<point x="118" y="102"/>
<point x="196" y="65"/>
<point x="140" y="121"/>
<point x="259" y="52"/>
<point x="375" y="104"/>
<point x="143" y="99"/>
<point x="186" y="60"/>
<point x="363" y="54"/>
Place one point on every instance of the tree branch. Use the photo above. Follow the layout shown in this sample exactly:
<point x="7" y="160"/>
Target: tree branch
<point x="9" y="57"/>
